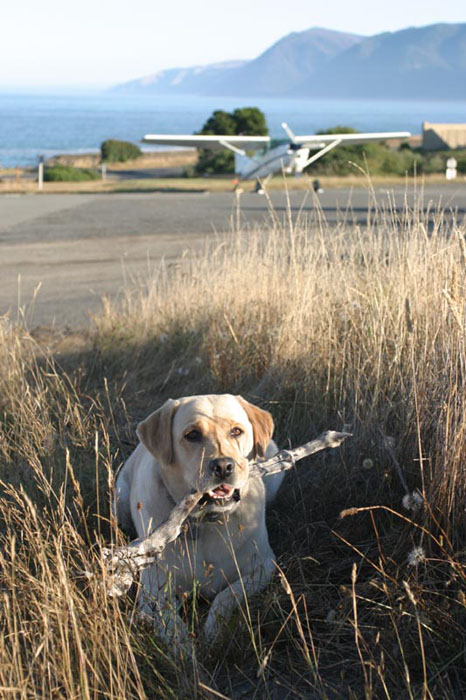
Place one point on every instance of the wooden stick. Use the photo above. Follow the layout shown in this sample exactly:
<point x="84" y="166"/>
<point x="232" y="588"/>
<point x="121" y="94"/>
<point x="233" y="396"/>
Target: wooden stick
<point x="285" y="459"/>
<point x="123" y="563"/>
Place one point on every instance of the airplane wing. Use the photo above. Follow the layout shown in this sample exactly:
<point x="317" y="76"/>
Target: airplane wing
<point x="210" y="142"/>
<point x="321" y="140"/>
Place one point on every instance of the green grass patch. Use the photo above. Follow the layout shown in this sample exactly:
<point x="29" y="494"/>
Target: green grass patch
<point x="68" y="173"/>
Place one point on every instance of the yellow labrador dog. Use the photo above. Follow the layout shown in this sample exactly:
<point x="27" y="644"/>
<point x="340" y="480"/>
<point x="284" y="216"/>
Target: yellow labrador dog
<point x="203" y="442"/>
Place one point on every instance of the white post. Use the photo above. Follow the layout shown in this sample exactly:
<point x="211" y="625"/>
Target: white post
<point x="40" y="173"/>
<point x="451" y="171"/>
<point x="103" y="167"/>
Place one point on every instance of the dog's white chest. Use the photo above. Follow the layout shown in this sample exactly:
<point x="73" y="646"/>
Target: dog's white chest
<point x="210" y="555"/>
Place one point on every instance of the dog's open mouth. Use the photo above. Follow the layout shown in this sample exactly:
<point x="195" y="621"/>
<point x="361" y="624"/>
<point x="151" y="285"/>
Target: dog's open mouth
<point x="222" y="495"/>
<point x="224" y="491"/>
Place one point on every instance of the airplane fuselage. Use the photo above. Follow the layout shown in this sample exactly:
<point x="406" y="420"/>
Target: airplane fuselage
<point x="285" y="158"/>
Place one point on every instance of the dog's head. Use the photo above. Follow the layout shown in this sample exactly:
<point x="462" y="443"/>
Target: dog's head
<point x="205" y="443"/>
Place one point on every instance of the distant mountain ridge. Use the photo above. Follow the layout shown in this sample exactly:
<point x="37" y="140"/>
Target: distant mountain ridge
<point x="287" y="63"/>
<point x="277" y="70"/>
<point x="194" y="80"/>
<point x="418" y="62"/>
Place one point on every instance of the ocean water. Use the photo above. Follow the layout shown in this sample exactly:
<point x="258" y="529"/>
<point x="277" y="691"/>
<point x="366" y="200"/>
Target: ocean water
<point x="33" y="125"/>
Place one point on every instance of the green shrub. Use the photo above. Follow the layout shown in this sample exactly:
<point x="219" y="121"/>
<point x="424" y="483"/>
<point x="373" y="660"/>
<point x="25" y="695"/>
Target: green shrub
<point x="380" y="159"/>
<point x="396" y="163"/>
<point x="113" y="151"/>
<point x="460" y="159"/>
<point x="68" y="173"/>
<point x="436" y="161"/>
<point x="432" y="163"/>
<point x="215" y="162"/>
<point x="248" y="121"/>
<point x="189" y="171"/>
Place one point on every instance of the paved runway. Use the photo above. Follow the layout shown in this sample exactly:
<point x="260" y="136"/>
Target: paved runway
<point x="81" y="247"/>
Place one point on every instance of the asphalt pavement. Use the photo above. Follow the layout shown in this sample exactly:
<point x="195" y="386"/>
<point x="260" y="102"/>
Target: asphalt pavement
<point x="61" y="253"/>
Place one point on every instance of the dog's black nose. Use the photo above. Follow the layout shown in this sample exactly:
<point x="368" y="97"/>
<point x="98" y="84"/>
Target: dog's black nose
<point x="222" y="466"/>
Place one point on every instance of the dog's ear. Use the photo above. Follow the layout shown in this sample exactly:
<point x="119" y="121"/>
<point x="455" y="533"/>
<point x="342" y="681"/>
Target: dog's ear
<point x="155" y="432"/>
<point x="262" y="426"/>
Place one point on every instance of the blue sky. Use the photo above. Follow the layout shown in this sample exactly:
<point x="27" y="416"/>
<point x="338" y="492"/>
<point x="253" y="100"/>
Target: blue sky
<point x="102" y="42"/>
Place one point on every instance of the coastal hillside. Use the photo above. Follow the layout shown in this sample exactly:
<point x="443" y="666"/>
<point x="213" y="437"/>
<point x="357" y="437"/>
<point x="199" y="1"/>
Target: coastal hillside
<point x="281" y="68"/>
<point x="287" y="63"/>
<point x="417" y="62"/>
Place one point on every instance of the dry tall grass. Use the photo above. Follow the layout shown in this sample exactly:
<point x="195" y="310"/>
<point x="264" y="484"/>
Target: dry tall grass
<point x="325" y="327"/>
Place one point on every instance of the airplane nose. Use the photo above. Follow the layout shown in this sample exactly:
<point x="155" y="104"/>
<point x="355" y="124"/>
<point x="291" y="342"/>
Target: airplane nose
<point x="222" y="466"/>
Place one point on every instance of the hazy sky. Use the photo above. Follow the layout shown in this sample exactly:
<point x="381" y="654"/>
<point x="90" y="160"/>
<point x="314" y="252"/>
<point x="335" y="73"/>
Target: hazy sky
<point x="101" y="42"/>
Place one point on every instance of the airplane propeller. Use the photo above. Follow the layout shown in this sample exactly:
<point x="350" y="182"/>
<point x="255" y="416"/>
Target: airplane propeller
<point x="288" y="132"/>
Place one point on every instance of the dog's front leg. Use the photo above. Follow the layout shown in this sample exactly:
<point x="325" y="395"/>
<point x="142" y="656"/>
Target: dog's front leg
<point x="158" y="602"/>
<point x="231" y="597"/>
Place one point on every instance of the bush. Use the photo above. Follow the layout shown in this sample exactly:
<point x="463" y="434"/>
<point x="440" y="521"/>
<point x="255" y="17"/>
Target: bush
<point x="460" y="159"/>
<point x="215" y="162"/>
<point x="189" y="171"/>
<point x="248" y="121"/>
<point x="431" y="163"/>
<point x="113" y="151"/>
<point x="380" y="159"/>
<point x="436" y="161"/>
<point x="340" y="160"/>
<point x="376" y="158"/>
<point x="68" y="173"/>
<point x="395" y="162"/>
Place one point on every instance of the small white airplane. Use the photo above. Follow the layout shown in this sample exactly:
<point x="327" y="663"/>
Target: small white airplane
<point x="290" y="156"/>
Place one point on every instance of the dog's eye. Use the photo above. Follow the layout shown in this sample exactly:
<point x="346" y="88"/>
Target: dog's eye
<point x="236" y="432"/>
<point x="193" y="436"/>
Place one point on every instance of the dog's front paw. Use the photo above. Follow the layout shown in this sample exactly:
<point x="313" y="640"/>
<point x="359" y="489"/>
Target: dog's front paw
<point x="165" y="622"/>
<point x="212" y="625"/>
